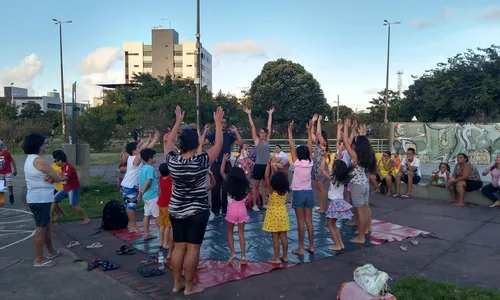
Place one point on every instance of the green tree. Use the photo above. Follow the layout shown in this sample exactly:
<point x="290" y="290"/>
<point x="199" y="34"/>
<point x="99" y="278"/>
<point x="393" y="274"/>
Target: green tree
<point x="96" y="128"/>
<point x="289" y="88"/>
<point x="344" y="112"/>
<point x="31" y="110"/>
<point x="7" y="111"/>
<point x="377" y="109"/>
<point x="465" y="88"/>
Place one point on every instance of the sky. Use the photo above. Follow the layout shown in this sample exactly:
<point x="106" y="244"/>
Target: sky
<point x="342" y="43"/>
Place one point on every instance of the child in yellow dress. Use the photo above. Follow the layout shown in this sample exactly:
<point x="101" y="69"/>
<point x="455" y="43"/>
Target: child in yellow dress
<point x="277" y="220"/>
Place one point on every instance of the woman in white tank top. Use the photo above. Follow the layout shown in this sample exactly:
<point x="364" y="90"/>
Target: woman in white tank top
<point x="40" y="178"/>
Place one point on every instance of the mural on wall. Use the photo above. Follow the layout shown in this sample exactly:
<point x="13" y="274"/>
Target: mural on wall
<point x="437" y="142"/>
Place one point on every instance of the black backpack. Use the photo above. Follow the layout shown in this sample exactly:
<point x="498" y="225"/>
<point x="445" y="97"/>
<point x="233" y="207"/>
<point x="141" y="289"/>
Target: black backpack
<point x="114" y="216"/>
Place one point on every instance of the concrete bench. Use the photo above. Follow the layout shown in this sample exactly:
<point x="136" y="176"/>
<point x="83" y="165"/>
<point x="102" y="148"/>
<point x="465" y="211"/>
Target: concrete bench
<point x="442" y="194"/>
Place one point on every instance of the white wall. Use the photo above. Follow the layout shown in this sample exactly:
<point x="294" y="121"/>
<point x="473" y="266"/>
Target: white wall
<point x="135" y="62"/>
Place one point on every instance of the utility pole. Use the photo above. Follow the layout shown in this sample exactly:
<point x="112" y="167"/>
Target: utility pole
<point x="388" y="24"/>
<point x="63" y="105"/>
<point x="338" y="108"/>
<point x="198" y="65"/>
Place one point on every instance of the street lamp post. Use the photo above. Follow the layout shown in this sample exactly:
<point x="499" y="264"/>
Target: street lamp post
<point x="63" y="105"/>
<point x="12" y="93"/>
<point x="198" y="65"/>
<point x="388" y="24"/>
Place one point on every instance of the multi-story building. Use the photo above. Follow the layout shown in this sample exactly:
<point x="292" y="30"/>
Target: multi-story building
<point x="165" y="56"/>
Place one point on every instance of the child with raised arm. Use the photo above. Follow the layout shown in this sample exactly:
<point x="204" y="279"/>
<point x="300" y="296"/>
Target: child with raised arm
<point x="277" y="220"/>
<point x="303" y="198"/>
<point x="238" y="188"/>
<point x="148" y="190"/>
<point x="338" y="208"/>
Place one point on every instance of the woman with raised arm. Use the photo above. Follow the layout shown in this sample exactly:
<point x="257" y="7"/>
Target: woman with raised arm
<point x="189" y="209"/>
<point x="320" y="150"/>
<point x="262" y="155"/>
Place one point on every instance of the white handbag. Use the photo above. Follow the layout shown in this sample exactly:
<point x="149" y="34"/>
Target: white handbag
<point x="371" y="280"/>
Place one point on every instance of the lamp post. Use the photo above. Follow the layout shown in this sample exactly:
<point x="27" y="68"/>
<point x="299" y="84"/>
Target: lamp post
<point x="12" y="93"/>
<point x="388" y="24"/>
<point x="198" y="65"/>
<point x="63" y="105"/>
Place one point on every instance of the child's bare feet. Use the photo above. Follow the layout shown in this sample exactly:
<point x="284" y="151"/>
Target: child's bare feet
<point x="275" y="261"/>
<point x="351" y="223"/>
<point x="310" y="249"/>
<point x="298" y="251"/>
<point x="335" y="247"/>
<point x="231" y="258"/>
<point x="194" y="289"/>
<point x="201" y="266"/>
<point x="178" y="287"/>
<point x="358" y="240"/>
<point x="284" y="259"/>
<point x="86" y="221"/>
<point x="135" y="228"/>
<point x="149" y="237"/>
<point x="459" y="204"/>
<point x="243" y="261"/>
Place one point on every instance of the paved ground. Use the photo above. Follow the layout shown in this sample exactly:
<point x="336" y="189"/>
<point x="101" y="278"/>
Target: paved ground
<point x="466" y="251"/>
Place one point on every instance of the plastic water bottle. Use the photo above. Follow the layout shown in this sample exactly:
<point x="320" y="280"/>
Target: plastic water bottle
<point x="161" y="261"/>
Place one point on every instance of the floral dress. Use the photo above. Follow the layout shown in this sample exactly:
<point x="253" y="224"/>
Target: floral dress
<point x="277" y="219"/>
<point x="317" y="160"/>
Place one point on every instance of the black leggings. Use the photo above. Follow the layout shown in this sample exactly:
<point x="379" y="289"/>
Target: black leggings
<point x="489" y="191"/>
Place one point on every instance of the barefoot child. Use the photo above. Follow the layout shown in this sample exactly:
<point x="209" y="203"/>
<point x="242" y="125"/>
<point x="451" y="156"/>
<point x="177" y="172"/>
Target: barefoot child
<point x="166" y="238"/>
<point x="338" y="208"/>
<point x="303" y="198"/>
<point x="148" y="190"/>
<point x="277" y="220"/>
<point x="71" y="186"/>
<point x="238" y="188"/>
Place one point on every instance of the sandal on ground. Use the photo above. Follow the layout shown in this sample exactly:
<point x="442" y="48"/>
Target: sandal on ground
<point x="414" y="242"/>
<point x="150" y="272"/>
<point x="125" y="250"/>
<point x="57" y="254"/>
<point x="403" y="248"/>
<point x="45" y="264"/>
<point x="108" y="266"/>
<point x="395" y="196"/>
<point x="92" y="264"/>
<point x="94" y="246"/>
<point x="73" y="244"/>
<point x="405" y="197"/>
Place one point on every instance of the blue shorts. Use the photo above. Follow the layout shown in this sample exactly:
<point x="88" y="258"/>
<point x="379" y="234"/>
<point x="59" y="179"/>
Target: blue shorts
<point x="303" y="199"/>
<point x="72" y="195"/>
<point x="130" y="197"/>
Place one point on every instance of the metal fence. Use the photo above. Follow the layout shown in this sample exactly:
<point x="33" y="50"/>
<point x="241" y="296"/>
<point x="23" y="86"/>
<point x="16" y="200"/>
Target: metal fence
<point x="379" y="145"/>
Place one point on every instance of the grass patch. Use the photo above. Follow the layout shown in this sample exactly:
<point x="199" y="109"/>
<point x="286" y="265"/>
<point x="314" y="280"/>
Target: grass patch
<point x="419" y="288"/>
<point x="93" y="199"/>
<point x="105" y="160"/>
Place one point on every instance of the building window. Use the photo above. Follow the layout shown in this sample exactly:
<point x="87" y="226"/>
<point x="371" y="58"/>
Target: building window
<point x="148" y="65"/>
<point x="54" y="106"/>
<point x="189" y="66"/>
<point x="148" y="53"/>
<point x="178" y="53"/>
<point x="190" y="53"/>
<point x="177" y="65"/>
<point x="136" y="66"/>
<point x="126" y="76"/>
<point x="133" y="54"/>
<point x="179" y="77"/>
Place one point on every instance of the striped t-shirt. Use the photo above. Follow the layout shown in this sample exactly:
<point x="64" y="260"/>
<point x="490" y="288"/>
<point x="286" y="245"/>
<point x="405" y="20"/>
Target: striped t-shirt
<point x="189" y="194"/>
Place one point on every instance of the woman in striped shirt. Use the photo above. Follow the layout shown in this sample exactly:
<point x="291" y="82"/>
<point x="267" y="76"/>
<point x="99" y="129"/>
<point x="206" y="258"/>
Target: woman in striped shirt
<point x="189" y="209"/>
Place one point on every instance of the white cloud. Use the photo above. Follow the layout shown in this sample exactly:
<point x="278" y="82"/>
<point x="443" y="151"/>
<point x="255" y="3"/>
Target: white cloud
<point x="491" y="13"/>
<point x="241" y="47"/>
<point x="100" y="61"/>
<point x="24" y="74"/>
<point x="371" y="91"/>
<point x="445" y="16"/>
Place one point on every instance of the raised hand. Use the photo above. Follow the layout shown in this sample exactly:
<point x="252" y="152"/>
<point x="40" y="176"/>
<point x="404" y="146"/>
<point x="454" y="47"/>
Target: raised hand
<point x="226" y="157"/>
<point x="207" y="127"/>
<point x="233" y="129"/>
<point x="218" y="115"/>
<point x="362" y="129"/>
<point x="354" y="123"/>
<point x="179" y="114"/>
<point x="307" y="126"/>
<point x="320" y="118"/>
<point x="290" y="127"/>
<point x="165" y="136"/>
<point x="247" y="110"/>
<point x="347" y="122"/>
<point x="339" y="125"/>
<point x="157" y="134"/>
<point x="270" y="111"/>
<point x="315" y="118"/>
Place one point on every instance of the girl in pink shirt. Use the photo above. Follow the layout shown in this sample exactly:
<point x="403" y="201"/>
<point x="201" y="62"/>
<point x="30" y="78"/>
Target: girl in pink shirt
<point x="303" y="198"/>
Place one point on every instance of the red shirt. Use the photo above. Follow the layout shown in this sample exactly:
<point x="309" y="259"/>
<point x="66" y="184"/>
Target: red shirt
<point x="5" y="162"/>
<point x="165" y="191"/>
<point x="71" y="183"/>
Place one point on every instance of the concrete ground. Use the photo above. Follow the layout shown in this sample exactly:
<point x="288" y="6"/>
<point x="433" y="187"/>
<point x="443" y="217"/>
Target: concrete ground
<point x="466" y="252"/>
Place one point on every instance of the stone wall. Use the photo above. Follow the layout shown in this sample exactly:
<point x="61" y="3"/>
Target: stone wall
<point x="437" y="142"/>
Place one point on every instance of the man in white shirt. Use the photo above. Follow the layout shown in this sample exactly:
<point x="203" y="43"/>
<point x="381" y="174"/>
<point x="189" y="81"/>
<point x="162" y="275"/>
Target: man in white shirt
<point x="409" y="173"/>
<point x="280" y="160"/>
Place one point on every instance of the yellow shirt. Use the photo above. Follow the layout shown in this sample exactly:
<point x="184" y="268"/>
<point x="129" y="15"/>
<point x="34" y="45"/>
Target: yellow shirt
<point x="383" y="171"/>
<point x="59" y="185"/>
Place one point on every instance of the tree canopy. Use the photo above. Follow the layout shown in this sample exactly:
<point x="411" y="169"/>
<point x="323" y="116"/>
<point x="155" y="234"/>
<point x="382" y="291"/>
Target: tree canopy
<point x="289" y="88"/>
<point x="31" y="110"/>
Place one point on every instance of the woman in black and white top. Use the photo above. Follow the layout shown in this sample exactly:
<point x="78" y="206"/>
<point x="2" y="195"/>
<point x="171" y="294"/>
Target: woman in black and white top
<point x="189" y="209"/>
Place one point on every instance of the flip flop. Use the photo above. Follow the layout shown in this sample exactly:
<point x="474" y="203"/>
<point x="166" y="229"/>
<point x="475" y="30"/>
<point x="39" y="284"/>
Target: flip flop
<point x="57" y="254"/>
<point x="108" y="266"/>
<point x="403" y="248"/>
<point x="48" y="263"/>
<point x="94" y="246"/>
<point x="395" y="196"/>
<point x="414" y="242"/>
<point x="125" y="250"/>
<point x="150" y="272"/>
<point x="73" y="244"/>
<point x="92" y="264"/>
<point x="149" y="262"/>
<point x="405" y="197"/>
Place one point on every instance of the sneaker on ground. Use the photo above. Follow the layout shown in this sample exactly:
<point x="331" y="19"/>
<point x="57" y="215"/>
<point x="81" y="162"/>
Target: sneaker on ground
<point x="255" y="208"/>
